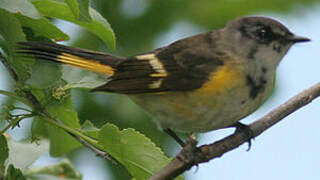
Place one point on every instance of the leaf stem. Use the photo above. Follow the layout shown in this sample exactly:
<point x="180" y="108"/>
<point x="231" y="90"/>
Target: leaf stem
<point x="71" y="130"/>
<point x="16" y="97"/>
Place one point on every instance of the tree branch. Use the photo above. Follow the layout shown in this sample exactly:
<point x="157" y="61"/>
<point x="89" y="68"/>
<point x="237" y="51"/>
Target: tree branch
<point x="205" y="153"/>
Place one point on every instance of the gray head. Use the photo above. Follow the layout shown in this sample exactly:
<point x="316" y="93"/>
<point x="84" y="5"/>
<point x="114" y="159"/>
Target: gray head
<point x="260" y="38"/>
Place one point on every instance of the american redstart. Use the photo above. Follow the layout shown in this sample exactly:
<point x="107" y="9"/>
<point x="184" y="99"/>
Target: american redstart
<point x="197" y="84"/>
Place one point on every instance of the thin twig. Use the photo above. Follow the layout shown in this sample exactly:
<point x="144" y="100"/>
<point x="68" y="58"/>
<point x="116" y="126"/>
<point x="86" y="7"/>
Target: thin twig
<point x="206" y="153"/>
<point x="97" y="151"/>
<point x="15" y="122"/>
<point x="13" y="73"/>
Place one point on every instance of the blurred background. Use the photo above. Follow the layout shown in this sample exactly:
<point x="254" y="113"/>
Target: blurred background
<point x="287" y="151"/>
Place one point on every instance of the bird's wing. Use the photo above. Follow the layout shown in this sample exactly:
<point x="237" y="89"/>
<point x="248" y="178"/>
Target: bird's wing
<point x="181" y="66"/>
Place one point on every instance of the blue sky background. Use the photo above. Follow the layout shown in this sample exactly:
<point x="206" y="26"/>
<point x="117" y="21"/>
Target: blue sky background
<point x="289" y="150"/>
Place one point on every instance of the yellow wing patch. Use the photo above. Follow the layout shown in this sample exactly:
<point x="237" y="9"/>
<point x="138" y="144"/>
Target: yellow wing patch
<point x="87" y="64"/>
<point x="222" y="79"/>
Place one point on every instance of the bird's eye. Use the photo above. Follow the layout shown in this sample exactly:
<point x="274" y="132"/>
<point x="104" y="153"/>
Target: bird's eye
<point x="264" y="34"/>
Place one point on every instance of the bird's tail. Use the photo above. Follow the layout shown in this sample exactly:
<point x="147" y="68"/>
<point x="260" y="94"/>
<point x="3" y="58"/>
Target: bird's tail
<point x="89" y="60"/>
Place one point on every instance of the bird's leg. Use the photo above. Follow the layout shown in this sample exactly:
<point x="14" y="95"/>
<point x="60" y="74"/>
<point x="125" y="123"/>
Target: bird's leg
<point x="189" y="152"/>
<point x="174" y="136"/>
<point x="246" y="129"/>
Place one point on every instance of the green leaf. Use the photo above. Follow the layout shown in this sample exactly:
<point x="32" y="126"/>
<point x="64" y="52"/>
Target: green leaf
<point x="44" y="75"/>
<point x="64" y="169"/>
<point x="38" y="128"/>
<point x="80" y="9"/>
<point x="84" y="10"/>
<point x="90" y="130"/>
<point x="23" y="154"/>
<point x="3" y="116"/>
<point x="88" y="126"/>
<point x="99" y="26"/>
<point x="14" y="173"/>
<point x="48" y="177"/>
<point x="74" y="7"/>
<point x="133" y="150"/>
<point x="78" y="78"/>
<point x="43" y="27"/>
<point x="11" y="31"/>
<point x="4" y="152"/>
<point x="40" y="94"/>
<point x="23" y="7"/>
<point x="61" y="142"/>
<point x="64" y="112"/>
<point x="15" y="97"/>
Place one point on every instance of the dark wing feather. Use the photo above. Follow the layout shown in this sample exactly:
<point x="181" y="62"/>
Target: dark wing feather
<point x="187" y="65"/>
<point x="131" y="77"/>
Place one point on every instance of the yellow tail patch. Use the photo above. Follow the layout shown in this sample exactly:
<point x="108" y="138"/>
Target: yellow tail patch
<point x="87" y="64"/>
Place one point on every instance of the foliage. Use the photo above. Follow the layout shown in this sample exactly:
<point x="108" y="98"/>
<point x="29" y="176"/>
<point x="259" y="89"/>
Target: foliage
<point x="30" y="22"/>
<point x="55" y="117"/>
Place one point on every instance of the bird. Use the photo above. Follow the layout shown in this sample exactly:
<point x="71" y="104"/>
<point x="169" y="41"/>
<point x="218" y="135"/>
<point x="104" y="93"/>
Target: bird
<point x="201" y="83"/>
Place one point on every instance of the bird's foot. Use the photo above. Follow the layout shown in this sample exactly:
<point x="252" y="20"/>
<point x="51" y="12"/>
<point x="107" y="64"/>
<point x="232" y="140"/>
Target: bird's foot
<point x="189" y="152"/>
<point x="240" y="127"/>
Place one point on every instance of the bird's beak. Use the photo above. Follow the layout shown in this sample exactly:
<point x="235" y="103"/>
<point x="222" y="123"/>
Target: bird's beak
<point x="298" y="39"/>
